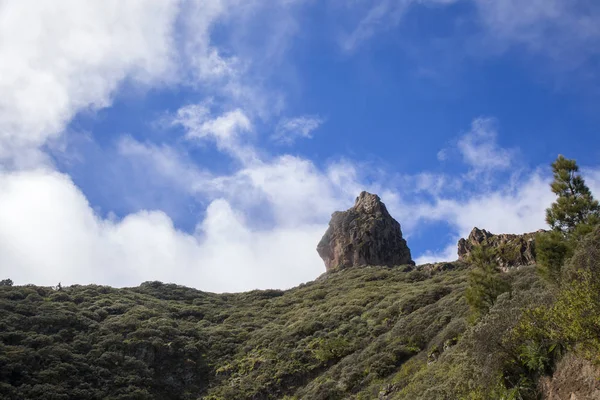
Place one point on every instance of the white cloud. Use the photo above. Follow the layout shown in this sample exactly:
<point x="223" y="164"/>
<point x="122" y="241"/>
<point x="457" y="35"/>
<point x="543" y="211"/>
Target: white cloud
<point x="289" y="191"/>
<point x="288" y="130"/>
<point x="69" y="56"/>
<point x="64" y="56"/>
<point x="592" y="180"/>
<point x="50" y="234"/>
<point x="165" y="164"/>
<point x="204" y="59"/>
<point x="507" y="210"/>
<point x="293" y="193"/>
<point x="295" y="189"/>
<point x="236" y="67"/>
<point x="480" y="150"/>
<point x="517" y="209"/>
<point x="442" y="155"/>
<point x="226" y="130"/>
<point x="76" y="61"/>
<point x="565" y="30"/>
<point x="449" y="253"/>
<point x="434" y="184"/>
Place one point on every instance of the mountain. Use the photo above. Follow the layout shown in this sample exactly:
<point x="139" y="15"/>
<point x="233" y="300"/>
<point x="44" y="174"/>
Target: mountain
<point x="357" y="332"/>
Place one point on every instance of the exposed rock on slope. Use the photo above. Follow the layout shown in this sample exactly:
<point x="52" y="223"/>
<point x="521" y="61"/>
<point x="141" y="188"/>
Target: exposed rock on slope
<point x="513" y="250"/>
<point x="574" y="379"/>
<point x="366" y="234"/>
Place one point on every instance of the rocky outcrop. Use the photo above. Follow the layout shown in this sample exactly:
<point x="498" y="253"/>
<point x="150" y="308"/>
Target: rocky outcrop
<point x="366" y="234"/>
<point x="512" y="250"/>
<point x="574" y="378"/>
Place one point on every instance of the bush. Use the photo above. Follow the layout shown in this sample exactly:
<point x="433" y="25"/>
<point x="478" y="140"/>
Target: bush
<point x="552" y="250"/>
<point x="485" y="282"/>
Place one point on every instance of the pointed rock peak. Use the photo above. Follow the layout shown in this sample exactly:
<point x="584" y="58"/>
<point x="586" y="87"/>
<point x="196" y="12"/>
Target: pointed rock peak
<point x="365" y="234"/>
<point x="479" y="235"/>
<point x="369" y="203"/>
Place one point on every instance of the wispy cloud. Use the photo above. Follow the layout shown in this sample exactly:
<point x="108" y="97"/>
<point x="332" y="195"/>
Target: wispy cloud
<point x="480" y="150"/>
<point x="226" y="129"/>
<point x="446" y="254"/>
<point x="561" y="29"/>
<point x="380" y="16"/>
<point x="288" y="130"/>
<point x="565" y="33"/>
<point x="237" y="66"/>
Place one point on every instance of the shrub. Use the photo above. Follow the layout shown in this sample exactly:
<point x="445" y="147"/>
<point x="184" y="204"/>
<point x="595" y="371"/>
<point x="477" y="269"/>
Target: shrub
<point x="485" y="282"/>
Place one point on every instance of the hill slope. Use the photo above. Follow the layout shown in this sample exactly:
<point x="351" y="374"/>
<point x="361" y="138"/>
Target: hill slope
<point x="359" y="333"/>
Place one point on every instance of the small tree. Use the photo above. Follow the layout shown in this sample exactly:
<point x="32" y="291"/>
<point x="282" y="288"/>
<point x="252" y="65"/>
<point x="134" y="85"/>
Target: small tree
<point x="552" y="250"/>
<point x="572" y="216"/>
<point x="575" y="205"/>
<point x="6" y="282"/>
<point x="485" y="282"/>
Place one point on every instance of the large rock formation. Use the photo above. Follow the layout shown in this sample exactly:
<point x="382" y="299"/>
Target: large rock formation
<point x="366" y="234"/>
<point x="512" y="250"/>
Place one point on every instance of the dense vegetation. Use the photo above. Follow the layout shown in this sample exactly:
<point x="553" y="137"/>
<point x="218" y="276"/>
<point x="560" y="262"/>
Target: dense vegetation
<point x="444" y="331"/>
<point x="338" y="335"/>
<point x="356" y="333"/>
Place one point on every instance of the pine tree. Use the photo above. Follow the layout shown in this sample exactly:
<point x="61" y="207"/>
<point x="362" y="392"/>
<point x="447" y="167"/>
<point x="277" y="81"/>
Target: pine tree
<point x="572" y="216"/>
<point x="575" y="204"/>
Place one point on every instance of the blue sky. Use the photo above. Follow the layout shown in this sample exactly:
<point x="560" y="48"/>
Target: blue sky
<point x="207" y="142"/>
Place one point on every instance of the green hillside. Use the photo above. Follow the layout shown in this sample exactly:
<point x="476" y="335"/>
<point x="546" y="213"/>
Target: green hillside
<point x="351" y="334"/>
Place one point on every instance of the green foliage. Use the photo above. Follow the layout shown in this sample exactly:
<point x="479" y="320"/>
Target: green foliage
<point x="332" y="338"/>
<point x="326" y="350"/>
<point x="6" y="282"/>
<point x="361" y="333"/>
<point x="572" y="217"/>
<point x="552" y="250"/>
<point x="569" y="258"/>
<point x="569" y="323"/>
<point x="485" y="282"/>
<point x="538" y="357"/>
<point x="573" y="320"/>
<point x="485" y="362"/>
<point x="575" y="204"/>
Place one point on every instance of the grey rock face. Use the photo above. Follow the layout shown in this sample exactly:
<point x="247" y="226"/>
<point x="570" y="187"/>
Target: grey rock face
<point x="512" y="250"/>
<point x="366" y="234"/>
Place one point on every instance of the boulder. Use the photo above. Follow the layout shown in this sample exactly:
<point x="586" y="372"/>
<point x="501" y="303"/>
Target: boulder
<point x="366" y="234"/>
